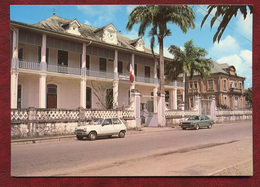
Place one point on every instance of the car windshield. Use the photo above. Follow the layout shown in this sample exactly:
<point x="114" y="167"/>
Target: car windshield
<point x="96" y="122"/>
<point x="194" y="118"/>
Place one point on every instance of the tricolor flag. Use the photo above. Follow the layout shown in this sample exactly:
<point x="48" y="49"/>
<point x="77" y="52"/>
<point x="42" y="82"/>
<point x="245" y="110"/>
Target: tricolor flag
<point x="131" y="76"/>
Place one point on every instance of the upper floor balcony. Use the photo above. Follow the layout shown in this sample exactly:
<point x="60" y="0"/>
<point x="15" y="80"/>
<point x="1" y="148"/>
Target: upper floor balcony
<point x="91" y="73"/>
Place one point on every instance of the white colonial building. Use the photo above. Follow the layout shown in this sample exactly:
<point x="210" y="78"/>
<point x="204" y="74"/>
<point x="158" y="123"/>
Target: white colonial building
<point x="60" y="63"/>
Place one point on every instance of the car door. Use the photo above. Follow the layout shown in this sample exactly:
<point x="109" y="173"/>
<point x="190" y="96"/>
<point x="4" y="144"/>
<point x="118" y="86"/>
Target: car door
<point x="202" y="121"/>
<point x="107" y="127"/>
<point x="117" y="125"/>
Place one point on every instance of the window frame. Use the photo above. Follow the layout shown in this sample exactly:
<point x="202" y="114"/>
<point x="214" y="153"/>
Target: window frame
<point x="103" y="64"/>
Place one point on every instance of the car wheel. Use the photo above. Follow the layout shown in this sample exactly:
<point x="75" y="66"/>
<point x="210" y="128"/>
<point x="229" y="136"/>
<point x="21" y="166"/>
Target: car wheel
<point x="79" y="137"/>
<point x="121" y="134"/>
<point x="183" y="128"/>
<point x="92" y="136"/>
<point x="197" y="127"/>
<point x="210" y="125"/>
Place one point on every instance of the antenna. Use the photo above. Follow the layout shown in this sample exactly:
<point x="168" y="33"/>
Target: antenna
<point x="54" y="12"/>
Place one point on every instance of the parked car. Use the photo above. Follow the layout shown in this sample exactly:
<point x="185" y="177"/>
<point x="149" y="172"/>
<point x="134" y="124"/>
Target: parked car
<point x="101" y="127"/>
<point x="197" y="122"/>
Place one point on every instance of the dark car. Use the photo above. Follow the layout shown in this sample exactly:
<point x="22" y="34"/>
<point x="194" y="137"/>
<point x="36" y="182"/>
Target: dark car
<point x="196" y="122"/>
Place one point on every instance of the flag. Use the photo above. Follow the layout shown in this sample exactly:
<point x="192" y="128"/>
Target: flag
<point x="131" y="76"/>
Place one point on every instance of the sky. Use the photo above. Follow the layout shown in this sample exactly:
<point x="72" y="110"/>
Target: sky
<point x="234" y="48"/>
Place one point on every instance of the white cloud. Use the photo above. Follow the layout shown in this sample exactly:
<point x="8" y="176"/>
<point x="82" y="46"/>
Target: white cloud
<point x="133" y="34"/>
<point x="87" y="22"/>
<point x="103" y="14"/>
<point x="225" y="47"/>
<point x="245" y="26"/>
<point x="243" y="64"/>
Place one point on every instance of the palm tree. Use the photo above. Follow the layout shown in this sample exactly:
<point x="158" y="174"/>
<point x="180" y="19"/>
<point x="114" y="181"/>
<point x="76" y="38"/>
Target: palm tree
<point x="227" y="12"/>
<point x="189" y="61"/>
<point x="157" y="17"/>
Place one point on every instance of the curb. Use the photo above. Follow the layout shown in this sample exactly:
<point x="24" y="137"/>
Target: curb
<point x="69" y="137"/>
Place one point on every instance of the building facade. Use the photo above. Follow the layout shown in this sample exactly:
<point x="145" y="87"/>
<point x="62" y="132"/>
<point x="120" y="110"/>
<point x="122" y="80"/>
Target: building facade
<point x="60" y="63"/>
<point x="223" y="83"/>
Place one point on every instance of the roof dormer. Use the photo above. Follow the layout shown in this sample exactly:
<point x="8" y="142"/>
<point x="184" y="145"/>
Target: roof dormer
<point x="107" y="34"/>
<point x="72" y="27"/>
<point x="138" y="44"/>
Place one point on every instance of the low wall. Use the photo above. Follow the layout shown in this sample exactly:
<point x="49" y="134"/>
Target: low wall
<point x="175" y="117"/>
<point x="233" y="115"/>
<point x="35" y="122"/>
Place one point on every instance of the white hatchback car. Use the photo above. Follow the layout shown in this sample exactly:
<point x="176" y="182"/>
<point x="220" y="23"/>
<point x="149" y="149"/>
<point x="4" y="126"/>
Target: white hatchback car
<point x="101" y="127"/>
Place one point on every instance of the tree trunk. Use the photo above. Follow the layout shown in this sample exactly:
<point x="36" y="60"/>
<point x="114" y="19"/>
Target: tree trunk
<point x="160" y="40"/>
<point x="186" y="93"/>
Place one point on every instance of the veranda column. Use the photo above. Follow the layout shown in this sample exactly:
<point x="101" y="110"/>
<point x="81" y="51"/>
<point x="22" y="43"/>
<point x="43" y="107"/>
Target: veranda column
<point x="115" y="94"/>
<point x="14" y="88"/>
<point x="213" y="108"/>
<point x="42" y="91"/>
<point x="83" y="85"/>
<point x="171" y="98"/>
<point x="137" y="108"/>
<point x="14" y="71"/>
<point x="115" y="81"/>
<point x="43" y="53"/>
<point x="42" y="80"/>
<point x="83" y="81"/>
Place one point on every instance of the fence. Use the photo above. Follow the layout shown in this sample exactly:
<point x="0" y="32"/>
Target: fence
<point x="34" y="122"/>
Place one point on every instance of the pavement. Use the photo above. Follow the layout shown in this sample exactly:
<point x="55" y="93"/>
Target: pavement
<point x="69" y="137"/>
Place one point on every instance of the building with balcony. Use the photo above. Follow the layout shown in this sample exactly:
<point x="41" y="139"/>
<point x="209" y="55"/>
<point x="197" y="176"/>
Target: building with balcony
<point x="223" y="83"/>
<point x="60" y="63"/>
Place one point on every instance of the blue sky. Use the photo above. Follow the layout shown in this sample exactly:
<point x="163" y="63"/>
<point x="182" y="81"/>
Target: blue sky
<point x="235" y="47"/>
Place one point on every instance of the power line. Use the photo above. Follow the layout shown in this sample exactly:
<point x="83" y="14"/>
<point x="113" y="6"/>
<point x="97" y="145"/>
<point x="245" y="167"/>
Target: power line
<point x="227" y="25"/>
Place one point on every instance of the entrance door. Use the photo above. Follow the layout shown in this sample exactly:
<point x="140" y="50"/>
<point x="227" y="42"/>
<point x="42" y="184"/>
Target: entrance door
<point x="51" y="96"/>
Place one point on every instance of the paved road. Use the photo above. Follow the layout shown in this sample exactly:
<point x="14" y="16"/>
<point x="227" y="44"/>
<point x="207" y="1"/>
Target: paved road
<point x="74" y="157"/>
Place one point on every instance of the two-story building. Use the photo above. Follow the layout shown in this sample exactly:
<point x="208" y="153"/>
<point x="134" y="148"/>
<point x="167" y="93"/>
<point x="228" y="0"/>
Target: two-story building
<point x="223" y="83"/>
<point x="61" y="63"/>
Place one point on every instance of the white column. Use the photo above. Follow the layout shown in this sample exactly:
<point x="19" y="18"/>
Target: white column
<point x="15" y="48"/>
<point x="137" y="109"/>
<point x="83" y="60"/>
<point x="14" y="88"/>
<point x="42" y="91"/>
<point x="83" y="83"/>
<point x="161" y="110"/>
<point x="171" y="98"/>
<point x="174" y="99"/>
<point x="155" y="102"/>
<point x="116" y="65"/>
<point x="213" y="108"/>
<point x="43" y="53"/>
<point x="115" y="94"/>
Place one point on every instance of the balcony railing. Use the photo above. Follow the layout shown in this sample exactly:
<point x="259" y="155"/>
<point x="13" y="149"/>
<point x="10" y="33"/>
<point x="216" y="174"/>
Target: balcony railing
<point x="235" y="90"/>
<point x="29" y="65"/>
<point x="77" y="71"/>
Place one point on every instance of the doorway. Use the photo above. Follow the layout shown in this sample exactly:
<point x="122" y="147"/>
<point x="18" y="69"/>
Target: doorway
<point x="51" y="96"/>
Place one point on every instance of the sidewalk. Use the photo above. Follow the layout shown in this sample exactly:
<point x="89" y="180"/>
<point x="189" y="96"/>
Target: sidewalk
<point x="68" y="137"/>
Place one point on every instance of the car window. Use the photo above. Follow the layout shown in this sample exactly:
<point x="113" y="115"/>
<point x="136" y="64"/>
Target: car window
<point x="194" y="118"/>
<point x="116" y="121"/>
<point x="202" y="118"/>
<point x="206" y="118"/>
<point x="107" y="122"/>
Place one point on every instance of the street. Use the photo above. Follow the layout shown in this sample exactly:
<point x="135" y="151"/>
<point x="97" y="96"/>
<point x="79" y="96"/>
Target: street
<point x="226" y="149"/>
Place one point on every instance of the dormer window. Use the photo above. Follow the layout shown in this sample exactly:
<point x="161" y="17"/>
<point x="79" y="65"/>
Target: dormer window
<point x="72" y="27"/>
<point x="138" y="44"/>
<point x="107" y="34"/>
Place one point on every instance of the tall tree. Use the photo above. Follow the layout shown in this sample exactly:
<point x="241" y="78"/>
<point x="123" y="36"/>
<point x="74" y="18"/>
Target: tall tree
<point x="249" y="96"/>
<point x="226" y="12"/>
<point x="189" y="61"/>
<point x="157" y="17"/>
